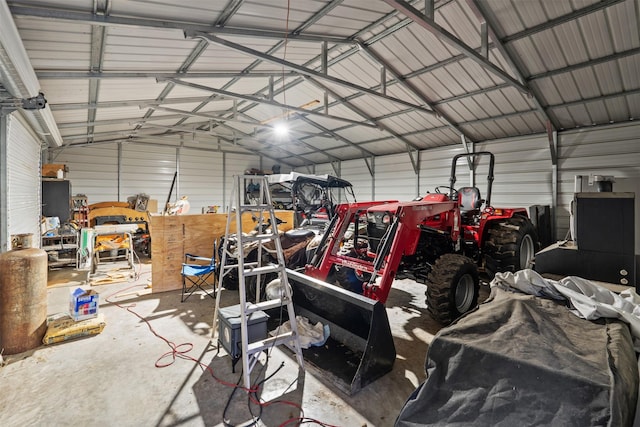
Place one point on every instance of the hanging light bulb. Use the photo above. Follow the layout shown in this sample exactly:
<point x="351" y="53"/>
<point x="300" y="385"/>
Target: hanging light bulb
<point x="281" y="129"/>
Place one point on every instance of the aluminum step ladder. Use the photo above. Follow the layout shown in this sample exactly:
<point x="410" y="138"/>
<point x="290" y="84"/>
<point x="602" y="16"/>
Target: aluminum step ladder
<point x="251" y="195"/>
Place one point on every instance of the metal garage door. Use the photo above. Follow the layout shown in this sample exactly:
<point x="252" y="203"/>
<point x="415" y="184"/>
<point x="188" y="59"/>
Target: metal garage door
<point x="23" y="180"/>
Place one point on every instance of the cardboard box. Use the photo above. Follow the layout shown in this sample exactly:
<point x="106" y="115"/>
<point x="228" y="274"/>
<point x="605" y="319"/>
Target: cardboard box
<point x="50" y="170"/>
<point x="83" y="304"/>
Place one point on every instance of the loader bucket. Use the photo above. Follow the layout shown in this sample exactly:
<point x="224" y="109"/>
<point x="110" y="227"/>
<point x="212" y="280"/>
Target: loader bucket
<point x="360" y="348"/>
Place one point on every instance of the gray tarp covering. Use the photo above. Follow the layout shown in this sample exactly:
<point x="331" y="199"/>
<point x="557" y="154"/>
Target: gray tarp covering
<point x="525" y="360"/>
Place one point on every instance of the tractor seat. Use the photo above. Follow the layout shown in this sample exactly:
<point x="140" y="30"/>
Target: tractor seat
<point x="299" y="234"/>
<point x="469" y="200"/>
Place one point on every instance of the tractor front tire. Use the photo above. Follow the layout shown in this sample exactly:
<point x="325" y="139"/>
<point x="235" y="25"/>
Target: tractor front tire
<point x="453" y="287"/>
<point x="347" y="278"/>
<point x="511" y="245"/>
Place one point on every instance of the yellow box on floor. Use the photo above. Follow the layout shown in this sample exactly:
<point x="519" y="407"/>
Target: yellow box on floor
<point x="65" y="328"/>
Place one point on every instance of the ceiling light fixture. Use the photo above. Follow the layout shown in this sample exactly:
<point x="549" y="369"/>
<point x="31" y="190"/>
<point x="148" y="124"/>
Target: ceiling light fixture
<point x="281" y="129"/>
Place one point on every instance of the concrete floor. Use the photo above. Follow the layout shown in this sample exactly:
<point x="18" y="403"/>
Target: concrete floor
<point x="111" y="379"/>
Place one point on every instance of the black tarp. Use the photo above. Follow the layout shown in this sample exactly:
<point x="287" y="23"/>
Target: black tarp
<point x="524" y="360"/>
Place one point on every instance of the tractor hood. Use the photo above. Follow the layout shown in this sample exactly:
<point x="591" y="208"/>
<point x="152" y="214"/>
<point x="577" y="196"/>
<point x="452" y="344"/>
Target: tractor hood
<point x="393" y="207"/>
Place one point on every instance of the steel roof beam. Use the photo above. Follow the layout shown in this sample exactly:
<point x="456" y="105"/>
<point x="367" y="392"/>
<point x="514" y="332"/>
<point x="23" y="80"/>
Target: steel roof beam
<point x="303" y="70"/>
<point x="408" y="144"/>
<point x="297" y="141"/>
<point x="54" y="74"/>
<point x="230" y="139"/>
<point x="336" y="135"/>
<point x="447" y="37"/>
<point x="255" y="124"/>
<point x="267" y="102"/>
<point x="129" y="103"/>
<point x="589" y="63"/>
<point x="601" y="4"/>
<point x="414" y="90"/>
<point x="67" y="15"/>
<point x="318" y="15"/>
<point x="480" y="10"/>
<point x="138" y="134"/>
<point x="72" y="125"/>
<point x="228" y="12"/>
<point x="141" y="141"/>
<point x="595" y="99"/>
<point x="98" y="41"/>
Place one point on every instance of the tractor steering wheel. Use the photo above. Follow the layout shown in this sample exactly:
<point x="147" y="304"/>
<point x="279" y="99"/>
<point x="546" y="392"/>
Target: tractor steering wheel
<point x="449" y="189"/>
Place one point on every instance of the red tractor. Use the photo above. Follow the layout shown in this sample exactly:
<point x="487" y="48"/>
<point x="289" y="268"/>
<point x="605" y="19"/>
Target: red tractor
<point x="441" y="240"/>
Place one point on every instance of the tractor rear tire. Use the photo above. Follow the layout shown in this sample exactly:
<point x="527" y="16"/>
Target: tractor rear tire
<point x="453" y="287"/>
<point x="511" y="245"/>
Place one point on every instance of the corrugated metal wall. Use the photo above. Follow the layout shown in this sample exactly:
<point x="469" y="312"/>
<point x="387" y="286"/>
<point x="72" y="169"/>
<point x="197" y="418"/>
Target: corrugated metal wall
<point x="435" y="169"/>
<point x="356" y="172"/>
<point x="23" y="181"/>
<point x="612" y="150"/>
<point x="523" y="171"/>
<point x="395" y="178"/>
<point x="201" y="178"/>
<point x="149" y="171"/>
<point x="235" y="164"/>
<point x="93" y="171"/>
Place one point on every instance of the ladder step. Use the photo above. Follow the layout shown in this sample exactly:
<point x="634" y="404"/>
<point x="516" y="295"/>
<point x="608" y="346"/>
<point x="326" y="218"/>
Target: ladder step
<point x="263" y="305"/>
<point x="258" y="237"/>
<point x="264" y="344"/>
<point x="274" y="268"/>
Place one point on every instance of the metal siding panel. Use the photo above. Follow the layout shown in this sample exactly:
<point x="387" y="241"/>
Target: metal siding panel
<point x="356" y="172"/>
<point x="93" y="171"/>
<point x="523" y="171"/>
<point x="236" y="164"/>
<point x="435" y="168"/>
<point x="621" y="18"/>
<point x="23" y="181"/>
<point x="201" y="178"/>
<point x="148" y="170"/>
<point x="395" y="178"/>
<point x="608" y="150"/>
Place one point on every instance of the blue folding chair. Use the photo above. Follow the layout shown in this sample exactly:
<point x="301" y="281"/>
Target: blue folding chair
<point x="198" y="275"/>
